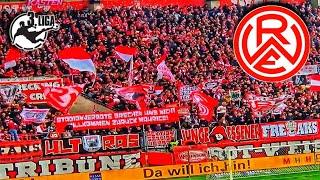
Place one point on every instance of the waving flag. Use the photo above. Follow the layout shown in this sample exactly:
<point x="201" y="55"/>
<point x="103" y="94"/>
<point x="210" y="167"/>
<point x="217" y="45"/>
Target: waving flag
<point x="77" y="58"/>
<point x="34" y="115"/>
<point x="152" y="89"/>
<point x="261" y="105"/>
<point x="163" y="70"/>
<point x="314" y="82"/>
<point x="135" y="94"/>
<point x="279" y="108"/>
<point x="125" y="53"/>
<point x="205" y="104"/>
<point x="11" y="57"/>
<point x="62" y="98"/>
<point x="155" y="90"/>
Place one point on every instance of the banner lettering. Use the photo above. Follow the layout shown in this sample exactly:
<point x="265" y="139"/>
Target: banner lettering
<point x="93" y="143"/>
<point x="190" y="154"/>
<point x="117" y="119"/>
<point x="185" y="91"/>
<point x="34" y="115"/>
<point x="255" y="149"/>
<point x="159" y="139"/>
<point x="14" y="150"/>
<point x="275" y="131"/>
<point x="68" y="165"/>
<point x="33" y="89"/>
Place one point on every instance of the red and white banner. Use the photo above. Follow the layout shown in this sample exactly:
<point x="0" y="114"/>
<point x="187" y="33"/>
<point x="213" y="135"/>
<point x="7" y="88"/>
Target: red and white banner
<point x="261" y="105"/>
<point x="69" y="164"/>
<point x="263" y="148"/>
<point x="41" y="5"/>
<point x="205" y="104"/>
<point x="182" y="110"/>
<point x="309" y="69"/>
<point x="185" y="92"/>
<point x="159" y="139"/>
<point x="152" y="89"/>
<point x="58" y="5"/>
<point x="90" y="144"/>
<point x="19" y="150"/>
<point x="287" y="129"/>
<point x="190" y="154"/>
<point x="163" y="70"/>
<point x="117" y="119"/>
<point x="62" y="98"/>
<point x="314" y="82"/>
<point x="34" y="115"/>
<point x="33" y="88"/>
<point x="282" y="130"/>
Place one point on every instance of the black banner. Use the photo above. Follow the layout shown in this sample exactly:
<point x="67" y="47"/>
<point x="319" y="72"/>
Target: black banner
<point x="90" y="144"/>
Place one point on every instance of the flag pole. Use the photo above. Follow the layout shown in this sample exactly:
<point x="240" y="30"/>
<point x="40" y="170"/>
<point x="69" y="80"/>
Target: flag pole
<point x="72" y="79"/>
<point x="94" y="80"/>
<point x="130" y="73"/>
<point x="260" y="116"/>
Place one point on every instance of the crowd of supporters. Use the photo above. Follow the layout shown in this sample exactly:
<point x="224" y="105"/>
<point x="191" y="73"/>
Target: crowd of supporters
<point x="199" y="43"/>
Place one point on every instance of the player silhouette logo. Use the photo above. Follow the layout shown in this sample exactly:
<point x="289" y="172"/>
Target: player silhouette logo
<point x="29" y="31"/>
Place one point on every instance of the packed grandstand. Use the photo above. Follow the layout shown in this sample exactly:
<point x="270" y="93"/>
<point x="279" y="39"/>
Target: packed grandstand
<point x="196" y="44"/>
<point x="199" y="45"/>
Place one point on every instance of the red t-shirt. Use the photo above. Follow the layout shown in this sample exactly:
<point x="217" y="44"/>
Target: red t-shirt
<point x="12" y="125"/>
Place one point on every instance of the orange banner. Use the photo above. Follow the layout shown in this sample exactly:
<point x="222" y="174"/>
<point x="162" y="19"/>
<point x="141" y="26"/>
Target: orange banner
<point x="195" y="169"/>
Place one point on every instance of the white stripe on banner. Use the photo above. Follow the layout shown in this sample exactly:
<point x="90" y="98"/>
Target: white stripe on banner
<point x="125" y="57"/>
<point x="81" y="65"/>
<point x="315" y="82"/>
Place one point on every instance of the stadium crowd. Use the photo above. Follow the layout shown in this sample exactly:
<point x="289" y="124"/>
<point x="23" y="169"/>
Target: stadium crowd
<point x="199" y="43"/>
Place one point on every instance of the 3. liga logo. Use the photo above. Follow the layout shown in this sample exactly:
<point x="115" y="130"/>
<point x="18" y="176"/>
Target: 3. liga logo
<point x="28" y="31"/>
<point x="271" y="43"/>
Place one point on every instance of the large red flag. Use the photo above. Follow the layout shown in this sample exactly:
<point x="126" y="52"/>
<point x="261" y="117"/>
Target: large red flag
<point x="205" y="103"/>
<point x="135" y="94"/>
<point x="62" y="98"/>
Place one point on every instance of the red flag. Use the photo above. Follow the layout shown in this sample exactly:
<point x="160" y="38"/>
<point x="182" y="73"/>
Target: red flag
<point x="205" y="104"/>
<point x="163" y="70"/>
<point x="12" y="55"/>
<point x="315" y="82"/>
<point x="152" y="89"/>
<point x="135" y="94"/>
<point x="225" y="3"/>
<point x="125" y="53"/>
<point x="77" y="58"/>
<point x="62" y="98"/>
